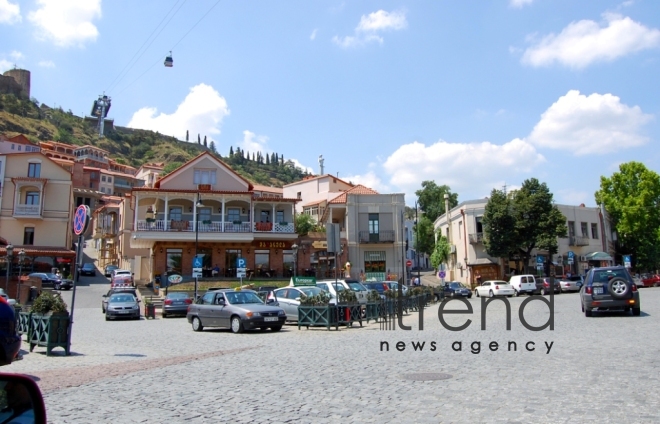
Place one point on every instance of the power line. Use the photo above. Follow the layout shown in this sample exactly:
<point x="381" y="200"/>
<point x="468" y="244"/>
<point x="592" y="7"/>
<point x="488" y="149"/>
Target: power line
<point x="142" y="48"/>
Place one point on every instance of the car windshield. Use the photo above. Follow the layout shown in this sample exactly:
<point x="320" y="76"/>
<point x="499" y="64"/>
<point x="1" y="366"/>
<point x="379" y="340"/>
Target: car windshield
<point x="311" y="291"/>
<point x="356" y="286"/>
<point x="455" y="285"/>
<point x="241" y="298"/>
<point x="122" y="272"/>
<point x="88" y="266"/>
<point x="49" y="275"/>
<point x="578" y="278"/>
<point x="605" y="276"/>
<point x="177" y="296"/>
<point x="122" y="298"/>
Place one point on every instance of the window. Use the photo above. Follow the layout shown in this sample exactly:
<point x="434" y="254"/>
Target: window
<point x="374" y="265"/>
<point x="175" y="213"/>
<point x="12" y="146"/>
<point x="373" y="223"/>
<point x="262" y="259"/>
<point x="479" y="225"/>
<point x="32" y="198"/>
<point x="585" y="231"/>
<point x="204" y="176"/>
<point x="233" y="214"/>
<point x="19" y="147"/>
<point x="109" y="179"/>
<point x="28" y="236"/>
<point x="174" y="261"/>
<point x="279" y="216"/>
<point x="102" y="189"/>
<point x="287" y="260"/>
<point x="571" y="228"/>
<point x="594" y="231"/>
<point x="265" y="216"/>
<point x="230" y="258"/>
<point x="34" y="170"/>
<point x="204" y="214"/>
<point x="460" y="229"/>
<point x="103" y="178"/>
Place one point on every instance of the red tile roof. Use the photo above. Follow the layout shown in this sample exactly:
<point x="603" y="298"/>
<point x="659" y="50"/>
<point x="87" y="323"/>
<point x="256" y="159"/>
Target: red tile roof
<point x="358" y="189"/>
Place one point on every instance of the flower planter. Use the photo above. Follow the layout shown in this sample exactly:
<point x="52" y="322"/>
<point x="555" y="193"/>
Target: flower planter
<point x="50" y="331"/>
<point x="350" y="313"/>
<point x="373" y="311"/>
<point x="317" y="316"/>
<point x="23" y="326"/>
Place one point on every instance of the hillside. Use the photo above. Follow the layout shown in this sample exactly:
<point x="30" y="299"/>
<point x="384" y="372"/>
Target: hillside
<point x="134" y="147"/>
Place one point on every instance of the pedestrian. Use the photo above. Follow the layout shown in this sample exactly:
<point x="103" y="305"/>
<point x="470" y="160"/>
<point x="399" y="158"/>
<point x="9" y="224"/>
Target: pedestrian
<point x="477" y="277"/>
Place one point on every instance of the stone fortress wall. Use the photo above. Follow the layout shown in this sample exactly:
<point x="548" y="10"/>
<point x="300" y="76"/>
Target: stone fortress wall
<point x="16" y="82"/>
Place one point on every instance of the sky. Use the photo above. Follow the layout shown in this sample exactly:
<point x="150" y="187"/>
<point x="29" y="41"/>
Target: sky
<point x="476" y="94"/>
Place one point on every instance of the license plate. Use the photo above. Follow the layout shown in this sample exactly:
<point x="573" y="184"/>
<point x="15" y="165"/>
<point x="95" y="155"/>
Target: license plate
<point x="123" y="312"/>
<point x="598" y="290"/>
<point x="270" y="319"/>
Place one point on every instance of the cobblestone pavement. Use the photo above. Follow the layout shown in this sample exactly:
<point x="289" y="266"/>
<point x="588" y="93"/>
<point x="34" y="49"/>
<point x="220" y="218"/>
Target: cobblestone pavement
<point x="602" y="369"/>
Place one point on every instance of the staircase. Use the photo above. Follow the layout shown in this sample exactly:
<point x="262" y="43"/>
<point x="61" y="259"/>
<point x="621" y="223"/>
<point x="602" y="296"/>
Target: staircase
<point x="148" y="293"/>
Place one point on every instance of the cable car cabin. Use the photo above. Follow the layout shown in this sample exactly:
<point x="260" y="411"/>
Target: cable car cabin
<point x="169" y="62"/>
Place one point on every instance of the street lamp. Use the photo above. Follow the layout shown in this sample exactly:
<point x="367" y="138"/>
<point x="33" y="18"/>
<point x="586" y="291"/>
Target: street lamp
<point x="295" y="258"/>
<point x="197" y="206"/>
<point x="10" y="256"/>
<point x="21" y="257"/>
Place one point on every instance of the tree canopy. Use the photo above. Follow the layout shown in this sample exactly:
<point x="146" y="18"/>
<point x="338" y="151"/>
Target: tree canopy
<point x="632" y="199"/>
<point x="431" y="199"/>
<point x="441" y="252"/>
<point x="306" y="224"/>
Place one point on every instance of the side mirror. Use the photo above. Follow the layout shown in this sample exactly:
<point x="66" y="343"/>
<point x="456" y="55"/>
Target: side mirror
<point x="298" y="299"/>
<point x="21" y="400"/>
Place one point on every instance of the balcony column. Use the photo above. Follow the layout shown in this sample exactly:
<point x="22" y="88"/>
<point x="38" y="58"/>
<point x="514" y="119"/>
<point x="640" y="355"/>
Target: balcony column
<point x="42" y="198"/>
<point x="17" y="195"/>
<point x="272" y="227"/>
<point x="194" y="215"/>
<point x="167" y="209"/>
<point x="222" y="217"/>
<point x="135" y="212"/>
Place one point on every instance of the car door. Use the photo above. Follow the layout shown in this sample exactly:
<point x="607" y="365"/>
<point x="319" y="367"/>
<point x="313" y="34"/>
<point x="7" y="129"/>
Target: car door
<point x="222" y="310"/>
<point x="484" y="289"/>
<point x="284" y="302"/>
<point x="203" y="309"/>
<point x="293" y="296"/>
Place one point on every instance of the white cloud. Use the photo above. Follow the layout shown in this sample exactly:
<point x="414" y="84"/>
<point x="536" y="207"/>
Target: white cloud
<point x="66" y="22"/>
<point x="574" y="197"/>
<point x="297" y="163"/>
<point x="253" y="143"/>
<point x="370" y="25"/>
<point x="16" y="55"/>
<point x="5" y="65"/>
<point x="370" y="179"/>
<point x="201" y="112"/>
<point x="10" y="13"/>
<point x="585" y="42"/>
<point x="466" y="167"/>
<point x="518" y="4"/>
<point x="594" y="124"/>
<point x="312" y="36"/>
<point x="47" y="64"/>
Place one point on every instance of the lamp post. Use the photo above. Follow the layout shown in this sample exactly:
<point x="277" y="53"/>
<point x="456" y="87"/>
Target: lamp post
<point x="419" y="271"/>
<point x="10" y="257"/>
<point x="21" y="257"/>
<point x="197" y="206"/>
<point x="294" y="247"/>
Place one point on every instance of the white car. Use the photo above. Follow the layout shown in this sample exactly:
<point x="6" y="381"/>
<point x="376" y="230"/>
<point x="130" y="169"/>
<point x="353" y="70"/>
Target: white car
<point x="572" y="283"/>
<point x="361" y="292"/>
<point x="523" y="284"/>
<point x="493" y="288"/>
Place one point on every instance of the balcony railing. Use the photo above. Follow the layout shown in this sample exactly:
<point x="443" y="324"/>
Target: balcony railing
<point x="578" y="241"/>
<point x="476" y="238"/>
<point x="380" y="237"/>
<point x="27" y="210"/>
<point x="211" y="226"/>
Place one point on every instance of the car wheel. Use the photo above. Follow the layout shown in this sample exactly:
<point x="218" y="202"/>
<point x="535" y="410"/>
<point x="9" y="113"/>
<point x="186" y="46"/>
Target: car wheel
<point x="103" y="310"/>
<point x="197" y="324"/>
<point x="436" y="298"/>
<point x="470" y="295"/>
<point x="56" y="286"/>
<point x="107" y="318"/>
<point x="276" y="328"/>
<point x="656" y="285"/>
<point x="582" y="307"/>
<point x="516" y="292"/>
<point x="637" y="312"/>
<point x="618" y="288"/>
<point x="476" y="293"/>
<point x="164" y="315"/>
<point x="490" y="294"/>
<point x="236" y="325"/>
<point x="588" y="313"/>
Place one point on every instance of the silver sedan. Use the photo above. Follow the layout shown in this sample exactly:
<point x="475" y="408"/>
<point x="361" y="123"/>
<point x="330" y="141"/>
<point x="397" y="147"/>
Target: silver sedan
<point x="122" y="305"/>
<point x="289" y="299"/>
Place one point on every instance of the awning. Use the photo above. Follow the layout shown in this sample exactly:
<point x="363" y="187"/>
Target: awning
<point x="482" y="261"/>
<point x="598" y="256"/>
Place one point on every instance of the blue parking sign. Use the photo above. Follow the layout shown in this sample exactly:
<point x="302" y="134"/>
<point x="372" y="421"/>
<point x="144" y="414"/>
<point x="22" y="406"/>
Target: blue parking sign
<point x="241" y="263"/>
<point x="197" y="262"/>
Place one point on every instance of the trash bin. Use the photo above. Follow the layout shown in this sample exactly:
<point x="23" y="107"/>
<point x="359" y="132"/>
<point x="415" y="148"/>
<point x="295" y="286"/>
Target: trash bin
<point x="156" y="288"/>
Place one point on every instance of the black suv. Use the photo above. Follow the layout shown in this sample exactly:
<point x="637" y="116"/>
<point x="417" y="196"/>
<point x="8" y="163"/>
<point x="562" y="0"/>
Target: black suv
<point x="609" y="288"/>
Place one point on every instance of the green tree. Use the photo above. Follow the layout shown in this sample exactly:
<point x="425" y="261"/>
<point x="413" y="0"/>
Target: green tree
<point x="187" y="139"/>
<point x="171" y="166"/>
<point x="205" y="145"/>
<point x="425" y="238"/>
<point x="212" y="148"/>
<point x="499" y="226"/>
<point x="631" y="197"/>
<point x="441" y="252"/>
<point x="306" y="224"/>
<point x="231" y="151"/>
<point x="431" y="199"/>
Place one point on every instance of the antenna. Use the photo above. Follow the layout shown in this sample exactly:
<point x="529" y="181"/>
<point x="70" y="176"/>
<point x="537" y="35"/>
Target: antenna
<point x="321" y="164"/>
<point x="504" y="187"/>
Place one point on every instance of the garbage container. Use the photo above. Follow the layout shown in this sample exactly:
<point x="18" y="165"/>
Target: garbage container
<point x="157" y="288"/>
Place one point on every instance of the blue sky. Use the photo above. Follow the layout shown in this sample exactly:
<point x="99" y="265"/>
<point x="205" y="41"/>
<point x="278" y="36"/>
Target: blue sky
<point x="472" y="94"/>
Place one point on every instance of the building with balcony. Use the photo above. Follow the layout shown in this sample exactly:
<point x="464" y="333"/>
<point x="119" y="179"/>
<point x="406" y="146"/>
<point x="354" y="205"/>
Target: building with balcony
<point x="149" y="173"/>
<point x="17" y="144"/>
<point x="35" y="211"/>
<point x="204" y="208"/>
<point x="587" y="243"/>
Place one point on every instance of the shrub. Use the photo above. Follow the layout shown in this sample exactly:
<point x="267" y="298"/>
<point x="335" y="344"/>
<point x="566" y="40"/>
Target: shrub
<point x="47" y="302"/>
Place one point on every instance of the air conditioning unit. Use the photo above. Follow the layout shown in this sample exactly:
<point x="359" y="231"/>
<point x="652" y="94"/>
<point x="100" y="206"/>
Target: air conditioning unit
<point x="453" y="249"/>
<point x="583" y="258"/>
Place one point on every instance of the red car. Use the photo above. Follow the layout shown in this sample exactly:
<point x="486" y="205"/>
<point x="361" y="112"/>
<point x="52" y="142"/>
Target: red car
<point x="651" y="281"/>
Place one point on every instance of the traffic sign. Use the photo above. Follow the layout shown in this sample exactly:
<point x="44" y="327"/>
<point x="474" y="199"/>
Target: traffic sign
<point x="408" y="263"/>
<point x="626" y="261"/>
<point x="197" y="262"/>
<point x="241" y="272"/>
<point x="571" y="257"/>
<point x="241" y="263"/>
<point x="539" y="260"/>
<point x="442" y="274"/>
<point x="81" y="219"/>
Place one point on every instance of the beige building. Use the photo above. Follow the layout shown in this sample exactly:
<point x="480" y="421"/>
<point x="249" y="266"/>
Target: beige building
<point x="36" y="207"/>
<point x="589" y="243"/>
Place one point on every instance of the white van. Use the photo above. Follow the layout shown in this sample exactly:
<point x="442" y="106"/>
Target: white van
<point x="523" y="284"/>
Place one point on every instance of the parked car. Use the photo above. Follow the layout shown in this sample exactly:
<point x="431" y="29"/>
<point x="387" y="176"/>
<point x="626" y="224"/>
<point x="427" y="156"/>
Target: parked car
<point x="543" y="285"/>
<point x="122" y="273"/>
<point x="238" y="310"/>
<point x="523" y="284"/>
<point x="108" y="270"/>
<point x="651" y="281"/>
<point x="380" y="287"/>
<point x="128" y="290"/>
<point x="609" y="288"/>
<point x="88" y="269"/>
<point x="288" y="298"/>
<point x="176" y="303"/>
<point x="49" y="279"/>
<point x="493" y="288"/>
<point x="571" y="284"/>
<point x="456" y="289"/>
<point x="393" y="285"/>
<point x="10" y="302"/>
<point x="121" y="281"/>
<point x="122" y="305"/>
<point x="332" y="287"/>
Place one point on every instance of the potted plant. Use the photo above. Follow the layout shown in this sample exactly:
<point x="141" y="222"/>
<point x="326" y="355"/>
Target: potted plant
<point x="49" y="323"/>
<point x="317" y="311"/>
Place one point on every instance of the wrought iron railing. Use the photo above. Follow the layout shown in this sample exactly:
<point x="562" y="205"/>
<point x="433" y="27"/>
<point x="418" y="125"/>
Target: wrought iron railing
<point x="380" y="237"/>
